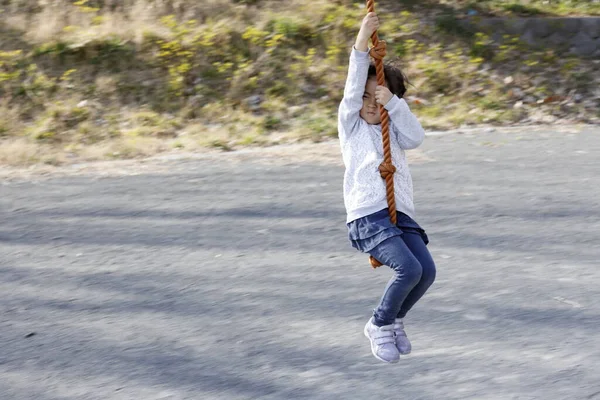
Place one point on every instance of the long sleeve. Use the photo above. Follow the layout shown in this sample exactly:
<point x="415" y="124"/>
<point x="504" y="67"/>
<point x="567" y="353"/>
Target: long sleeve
<point x="349" y="110"/>
<point x="405" y="126"/>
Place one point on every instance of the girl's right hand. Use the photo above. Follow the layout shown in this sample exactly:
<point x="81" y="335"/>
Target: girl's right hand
<point x="369" y="25"/>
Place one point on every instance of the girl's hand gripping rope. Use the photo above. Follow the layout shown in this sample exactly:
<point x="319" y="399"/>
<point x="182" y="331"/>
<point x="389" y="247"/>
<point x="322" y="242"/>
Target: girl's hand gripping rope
<point x="369" y="25"/>
<point x="383" y="95"/>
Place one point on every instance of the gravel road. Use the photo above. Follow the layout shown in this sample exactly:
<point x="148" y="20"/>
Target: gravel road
<point x="231" y="277"/>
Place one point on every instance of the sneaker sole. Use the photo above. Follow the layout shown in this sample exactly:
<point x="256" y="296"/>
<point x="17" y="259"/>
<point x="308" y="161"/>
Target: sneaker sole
<point x="373" y="350"/>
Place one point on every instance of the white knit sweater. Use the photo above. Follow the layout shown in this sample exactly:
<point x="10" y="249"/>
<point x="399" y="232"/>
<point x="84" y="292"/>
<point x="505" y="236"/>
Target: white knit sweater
<point x="362" y="148"/>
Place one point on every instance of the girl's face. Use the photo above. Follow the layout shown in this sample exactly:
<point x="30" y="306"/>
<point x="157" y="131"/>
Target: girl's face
<point x="370" y="109"/>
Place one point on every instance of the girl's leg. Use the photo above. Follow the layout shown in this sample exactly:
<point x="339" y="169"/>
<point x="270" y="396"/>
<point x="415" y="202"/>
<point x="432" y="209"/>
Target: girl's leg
<point x="407" y="273"/>
<point x="417" y="247"/>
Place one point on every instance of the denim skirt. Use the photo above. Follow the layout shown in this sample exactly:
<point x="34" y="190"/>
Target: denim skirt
<point x="368" y="232"/>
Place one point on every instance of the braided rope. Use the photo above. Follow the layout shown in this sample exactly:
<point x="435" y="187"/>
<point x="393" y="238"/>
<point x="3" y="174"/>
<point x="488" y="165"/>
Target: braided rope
<point x="387" y="168"/>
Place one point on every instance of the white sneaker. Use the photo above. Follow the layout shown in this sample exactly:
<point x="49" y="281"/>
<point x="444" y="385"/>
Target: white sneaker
<point x="402" y="342"/>
<point x="383" y="344"/>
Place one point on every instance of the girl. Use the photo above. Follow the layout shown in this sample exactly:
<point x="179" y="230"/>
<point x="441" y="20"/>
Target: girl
<point x="401" y="246"/>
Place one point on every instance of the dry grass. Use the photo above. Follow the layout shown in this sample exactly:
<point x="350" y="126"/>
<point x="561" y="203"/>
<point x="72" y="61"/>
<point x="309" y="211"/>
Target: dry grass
<point x="20" y="152"/>
<point x="121" y="82"/>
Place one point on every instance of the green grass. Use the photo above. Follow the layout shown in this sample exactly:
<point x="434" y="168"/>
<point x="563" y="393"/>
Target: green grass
<point x="133" y="80"/>
<point x="523" y="7"/>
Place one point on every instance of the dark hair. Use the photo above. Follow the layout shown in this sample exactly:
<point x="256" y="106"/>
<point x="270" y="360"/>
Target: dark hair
<point x="395" y="79"/>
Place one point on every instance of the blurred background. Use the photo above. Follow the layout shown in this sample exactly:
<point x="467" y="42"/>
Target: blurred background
<point x="203" y="262"/>
<point x="93" y="79"/>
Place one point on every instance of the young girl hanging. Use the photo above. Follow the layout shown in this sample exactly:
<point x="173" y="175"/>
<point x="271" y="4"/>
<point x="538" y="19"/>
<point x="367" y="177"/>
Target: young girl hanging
<point x="400" y="245"/>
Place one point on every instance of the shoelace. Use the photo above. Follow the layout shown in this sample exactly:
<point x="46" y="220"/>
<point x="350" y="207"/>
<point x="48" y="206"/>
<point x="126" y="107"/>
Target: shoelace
<point x="383" y="335"/>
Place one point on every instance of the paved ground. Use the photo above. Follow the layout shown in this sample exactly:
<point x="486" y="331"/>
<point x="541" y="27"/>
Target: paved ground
<point x="233" y="279"/>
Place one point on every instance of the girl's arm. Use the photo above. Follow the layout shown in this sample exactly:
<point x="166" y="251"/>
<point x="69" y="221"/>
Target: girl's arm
<point x="352" y="103"/>
<point x="405" y="126"/>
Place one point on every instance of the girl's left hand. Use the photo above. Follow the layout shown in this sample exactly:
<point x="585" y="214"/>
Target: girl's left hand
<point x="383" y="95"/>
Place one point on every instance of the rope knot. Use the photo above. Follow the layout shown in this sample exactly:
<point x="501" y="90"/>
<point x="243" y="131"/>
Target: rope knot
<point x="379" y="51"/>
<point x="386" y="169"/>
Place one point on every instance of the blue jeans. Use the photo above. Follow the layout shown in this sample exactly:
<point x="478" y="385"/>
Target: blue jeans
<point x="402" y="247"/>
<point x="414" y="273"/>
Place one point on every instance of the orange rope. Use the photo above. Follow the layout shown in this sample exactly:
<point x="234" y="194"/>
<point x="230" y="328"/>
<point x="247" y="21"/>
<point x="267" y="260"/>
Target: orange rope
<point x="387" y="168"/>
